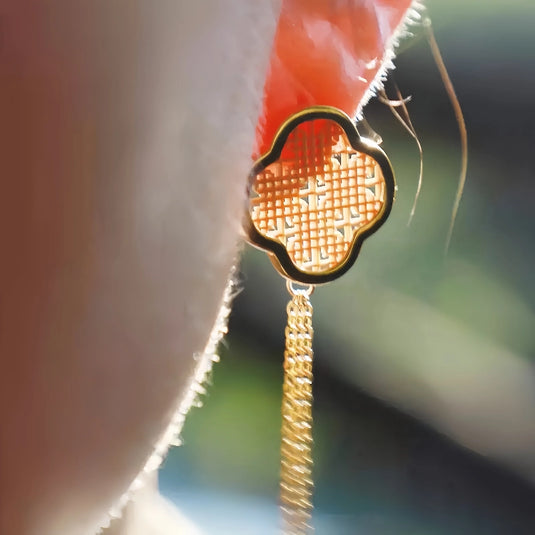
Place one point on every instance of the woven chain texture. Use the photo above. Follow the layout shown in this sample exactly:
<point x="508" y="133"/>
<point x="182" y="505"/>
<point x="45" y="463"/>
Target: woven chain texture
<point x="296" y="446"/>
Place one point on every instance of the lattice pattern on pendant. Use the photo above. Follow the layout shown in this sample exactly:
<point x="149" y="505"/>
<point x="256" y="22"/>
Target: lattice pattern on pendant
<point x="317" y="196"/>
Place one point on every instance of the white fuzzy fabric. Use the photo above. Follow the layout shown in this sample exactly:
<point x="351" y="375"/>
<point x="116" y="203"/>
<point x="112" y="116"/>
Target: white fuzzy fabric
<point x="412" y="17"/>
<point x="208" y="106"/>
<point x="127" y="131"/>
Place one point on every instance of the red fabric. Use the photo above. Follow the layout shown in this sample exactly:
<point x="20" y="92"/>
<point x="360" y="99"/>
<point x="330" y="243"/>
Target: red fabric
<point x="326" y="52"/>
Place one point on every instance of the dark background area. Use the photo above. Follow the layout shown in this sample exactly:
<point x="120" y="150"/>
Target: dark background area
<point x="424" y="377"/>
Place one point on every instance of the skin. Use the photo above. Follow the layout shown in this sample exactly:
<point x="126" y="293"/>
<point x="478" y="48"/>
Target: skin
<point x="125" y="139"/>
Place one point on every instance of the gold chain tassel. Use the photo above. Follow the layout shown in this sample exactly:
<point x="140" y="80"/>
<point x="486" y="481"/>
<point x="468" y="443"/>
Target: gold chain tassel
<point x="296" y="446"/>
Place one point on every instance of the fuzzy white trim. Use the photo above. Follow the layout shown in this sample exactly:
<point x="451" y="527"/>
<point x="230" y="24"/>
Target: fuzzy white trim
<point x="412" y="17"/>
<point x="190" y="398"/>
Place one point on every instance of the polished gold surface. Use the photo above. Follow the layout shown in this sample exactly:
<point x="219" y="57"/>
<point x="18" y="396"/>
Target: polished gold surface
<point x="296" y="445"/>
<point x="312" y="200"/>
<point x="317" y="196"/>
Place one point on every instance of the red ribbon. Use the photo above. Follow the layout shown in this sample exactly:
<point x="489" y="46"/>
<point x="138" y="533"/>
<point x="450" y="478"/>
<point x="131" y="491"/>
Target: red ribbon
<point x="326" y="52"/>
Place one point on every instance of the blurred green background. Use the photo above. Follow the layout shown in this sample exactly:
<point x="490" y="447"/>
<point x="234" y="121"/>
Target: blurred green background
<point x="425" y="383"/>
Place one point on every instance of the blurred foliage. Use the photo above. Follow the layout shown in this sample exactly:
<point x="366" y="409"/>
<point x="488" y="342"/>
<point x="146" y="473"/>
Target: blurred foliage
<point x="244" y="404"/>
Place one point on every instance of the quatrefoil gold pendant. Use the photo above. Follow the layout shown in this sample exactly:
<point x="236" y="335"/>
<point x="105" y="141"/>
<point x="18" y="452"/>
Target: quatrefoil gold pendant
<point x="316" y="195"/>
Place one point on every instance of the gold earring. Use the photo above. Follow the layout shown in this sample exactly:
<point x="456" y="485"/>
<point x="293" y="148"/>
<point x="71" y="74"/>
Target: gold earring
<point x="313" y="198"/>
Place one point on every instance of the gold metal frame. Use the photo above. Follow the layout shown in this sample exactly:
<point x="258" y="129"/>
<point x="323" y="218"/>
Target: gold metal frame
<point x="277" y="252"/>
